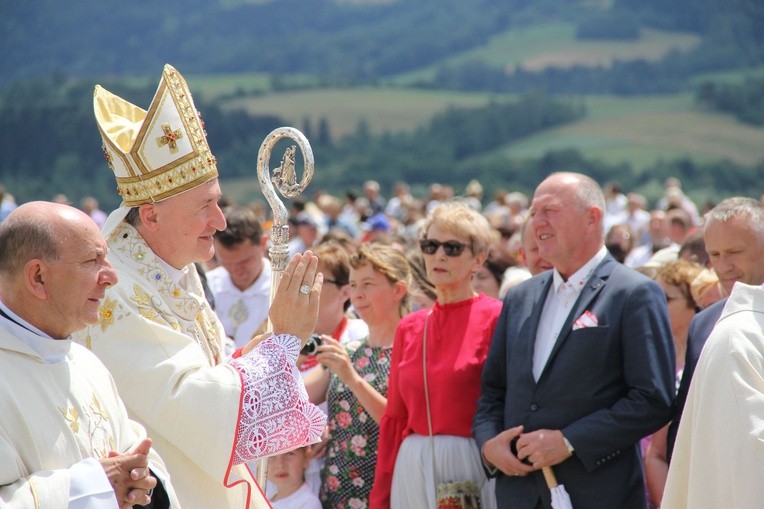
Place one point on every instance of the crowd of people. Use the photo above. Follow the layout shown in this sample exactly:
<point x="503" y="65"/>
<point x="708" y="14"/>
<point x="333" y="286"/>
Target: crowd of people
<point x="417" y="352"/>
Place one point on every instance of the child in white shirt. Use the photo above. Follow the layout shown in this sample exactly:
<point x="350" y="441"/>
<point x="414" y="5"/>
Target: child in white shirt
<point x="287" y="473"/>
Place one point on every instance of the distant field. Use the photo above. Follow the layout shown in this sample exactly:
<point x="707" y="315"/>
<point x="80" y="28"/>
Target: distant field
<point x="641" y="130"/>
<point x="738" y="76"/>
<point x="384" y="109"/>
<point x="214" y="85"/>
<point x="556" y="45"/>
<point x="636" y="130"/>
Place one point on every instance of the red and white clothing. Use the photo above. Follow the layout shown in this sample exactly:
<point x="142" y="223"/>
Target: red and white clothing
<point x="164" y="347"/>
<point x="458" y="337"/>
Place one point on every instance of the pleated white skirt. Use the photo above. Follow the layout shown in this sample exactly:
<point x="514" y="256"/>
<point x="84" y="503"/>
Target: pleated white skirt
<point x="456" y="459"/>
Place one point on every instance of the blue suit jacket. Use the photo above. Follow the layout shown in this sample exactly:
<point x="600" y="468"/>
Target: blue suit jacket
<point x="605" y="387"/>
<point x="700" y="328"/>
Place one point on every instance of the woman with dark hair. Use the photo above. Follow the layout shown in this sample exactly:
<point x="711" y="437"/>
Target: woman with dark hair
<point x="488" y="278"/>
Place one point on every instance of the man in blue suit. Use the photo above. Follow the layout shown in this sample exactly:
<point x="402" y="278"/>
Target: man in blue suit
<point x="734" y="237"/>
<point x="581" y="365"/>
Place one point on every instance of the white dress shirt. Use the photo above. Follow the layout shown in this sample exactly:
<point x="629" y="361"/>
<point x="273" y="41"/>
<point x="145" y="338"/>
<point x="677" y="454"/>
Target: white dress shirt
<point x="559" y="302"/>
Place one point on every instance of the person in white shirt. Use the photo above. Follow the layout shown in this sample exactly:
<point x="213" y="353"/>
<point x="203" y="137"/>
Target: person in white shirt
<point x="287" y="473"/>
<point x="65" y="438"/>
<point x="241" y="284"/>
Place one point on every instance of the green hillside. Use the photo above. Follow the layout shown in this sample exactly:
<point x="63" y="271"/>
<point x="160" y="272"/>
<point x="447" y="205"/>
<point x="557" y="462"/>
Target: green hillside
<point x="555" y="44"/>
<point x="365" y="79"/>
<point x="641" y="130"/>
<point x="637" y="130"/>
<point x="384" y="109"/>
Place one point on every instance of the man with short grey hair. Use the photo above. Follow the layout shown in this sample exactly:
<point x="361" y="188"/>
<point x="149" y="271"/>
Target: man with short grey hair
<point x="581" y="365"/>
<point x="721" y="394"/>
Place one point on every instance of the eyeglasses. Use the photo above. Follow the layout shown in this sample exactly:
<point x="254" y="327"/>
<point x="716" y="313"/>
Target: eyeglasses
<point x="450" y="247"/>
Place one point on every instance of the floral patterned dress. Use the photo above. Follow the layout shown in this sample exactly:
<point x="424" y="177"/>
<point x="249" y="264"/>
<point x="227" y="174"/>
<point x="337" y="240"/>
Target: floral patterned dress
<point x="348" y="473"/>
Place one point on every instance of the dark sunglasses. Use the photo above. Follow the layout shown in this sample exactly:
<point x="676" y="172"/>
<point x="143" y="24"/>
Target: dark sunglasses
<point x="450" y="247"/>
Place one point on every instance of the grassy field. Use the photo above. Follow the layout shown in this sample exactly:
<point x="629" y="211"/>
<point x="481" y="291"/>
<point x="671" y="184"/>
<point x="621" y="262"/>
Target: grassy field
<point x="642" y="130"/>
<point x="383" y="109"/>
<point x="635" y="129"/>
<point x="537" y="47"/>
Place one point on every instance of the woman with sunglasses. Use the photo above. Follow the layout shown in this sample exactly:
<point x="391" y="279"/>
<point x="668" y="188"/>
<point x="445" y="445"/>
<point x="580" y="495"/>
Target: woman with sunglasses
<point x="450" y="341"/>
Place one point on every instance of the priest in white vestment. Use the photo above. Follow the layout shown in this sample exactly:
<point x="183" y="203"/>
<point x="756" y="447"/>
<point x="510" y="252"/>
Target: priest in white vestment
<point x="718" y="457"/>
<point x="207" y="414"/>
<point x="63" y="427"/>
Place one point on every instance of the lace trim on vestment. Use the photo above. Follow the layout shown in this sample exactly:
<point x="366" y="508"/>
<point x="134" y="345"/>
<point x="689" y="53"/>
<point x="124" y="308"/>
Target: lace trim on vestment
<point x="276" y="415"/>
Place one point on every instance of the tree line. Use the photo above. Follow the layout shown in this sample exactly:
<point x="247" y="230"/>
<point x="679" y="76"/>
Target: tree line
<point x="744" y="100"/>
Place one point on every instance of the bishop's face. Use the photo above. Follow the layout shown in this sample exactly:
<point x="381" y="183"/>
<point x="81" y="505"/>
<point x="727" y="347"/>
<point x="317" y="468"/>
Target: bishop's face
<point x="186" y="224"/>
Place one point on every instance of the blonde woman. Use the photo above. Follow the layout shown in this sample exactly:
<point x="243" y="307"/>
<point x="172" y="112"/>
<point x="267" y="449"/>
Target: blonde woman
<point x="457" y="331"/>
<point x="355" y="381"/>
<point x="675" y="278"/>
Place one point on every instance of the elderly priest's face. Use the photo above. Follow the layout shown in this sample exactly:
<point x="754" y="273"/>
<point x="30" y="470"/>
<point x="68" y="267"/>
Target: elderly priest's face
<point x="77" y="280"/>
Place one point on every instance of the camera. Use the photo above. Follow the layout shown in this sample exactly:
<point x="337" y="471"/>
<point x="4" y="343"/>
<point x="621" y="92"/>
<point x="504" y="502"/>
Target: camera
<point x="311" y="346"/>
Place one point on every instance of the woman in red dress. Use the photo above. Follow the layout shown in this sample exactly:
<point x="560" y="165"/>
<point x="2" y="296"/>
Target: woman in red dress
<point x="455" y="241"/>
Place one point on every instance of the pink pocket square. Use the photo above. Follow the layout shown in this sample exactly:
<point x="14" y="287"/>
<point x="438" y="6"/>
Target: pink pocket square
<point x="587" y="319"/>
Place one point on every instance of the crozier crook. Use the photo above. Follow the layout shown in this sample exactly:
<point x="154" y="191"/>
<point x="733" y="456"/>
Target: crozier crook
<point x="284" y="179"/>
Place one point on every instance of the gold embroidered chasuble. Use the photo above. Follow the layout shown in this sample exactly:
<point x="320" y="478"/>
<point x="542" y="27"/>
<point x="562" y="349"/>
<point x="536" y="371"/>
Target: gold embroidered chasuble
<point x="53" y="415"/>
<point x="163" y="345"/>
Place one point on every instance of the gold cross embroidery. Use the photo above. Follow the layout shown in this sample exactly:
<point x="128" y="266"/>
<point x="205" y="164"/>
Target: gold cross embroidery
<point x="170" y="138"/>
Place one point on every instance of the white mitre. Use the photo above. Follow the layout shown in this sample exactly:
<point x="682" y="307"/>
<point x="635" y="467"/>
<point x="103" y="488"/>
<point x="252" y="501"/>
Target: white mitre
<point x="154" y="154"/>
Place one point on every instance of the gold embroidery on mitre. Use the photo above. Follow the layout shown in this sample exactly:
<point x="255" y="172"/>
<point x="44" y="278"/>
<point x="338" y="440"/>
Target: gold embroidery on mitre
<point x="146" y="180"/>
<point x="170" y="138"/>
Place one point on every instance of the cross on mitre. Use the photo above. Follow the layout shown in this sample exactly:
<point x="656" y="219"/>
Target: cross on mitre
<point x="170" y="137"/>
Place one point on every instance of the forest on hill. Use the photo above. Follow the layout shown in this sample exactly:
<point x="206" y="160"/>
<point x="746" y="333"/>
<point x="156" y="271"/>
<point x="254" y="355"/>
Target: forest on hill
<point x="52" y="59"/>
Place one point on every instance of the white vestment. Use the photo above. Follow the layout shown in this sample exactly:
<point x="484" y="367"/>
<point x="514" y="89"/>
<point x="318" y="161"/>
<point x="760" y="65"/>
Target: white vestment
<point x="55" y="414"/>
<point x="163" y="345"/>
<point x="718" y="458"/>
<point x="242" y="313"/>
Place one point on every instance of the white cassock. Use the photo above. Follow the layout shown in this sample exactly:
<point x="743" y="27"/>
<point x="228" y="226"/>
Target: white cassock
<point x="59" y="413"/>
<point x="162" y="342"/>
<point x="718" y="458"/>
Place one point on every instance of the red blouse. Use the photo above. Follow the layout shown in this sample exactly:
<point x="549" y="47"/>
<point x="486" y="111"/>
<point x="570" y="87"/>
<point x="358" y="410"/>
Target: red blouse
<point x="458" y="337"/>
